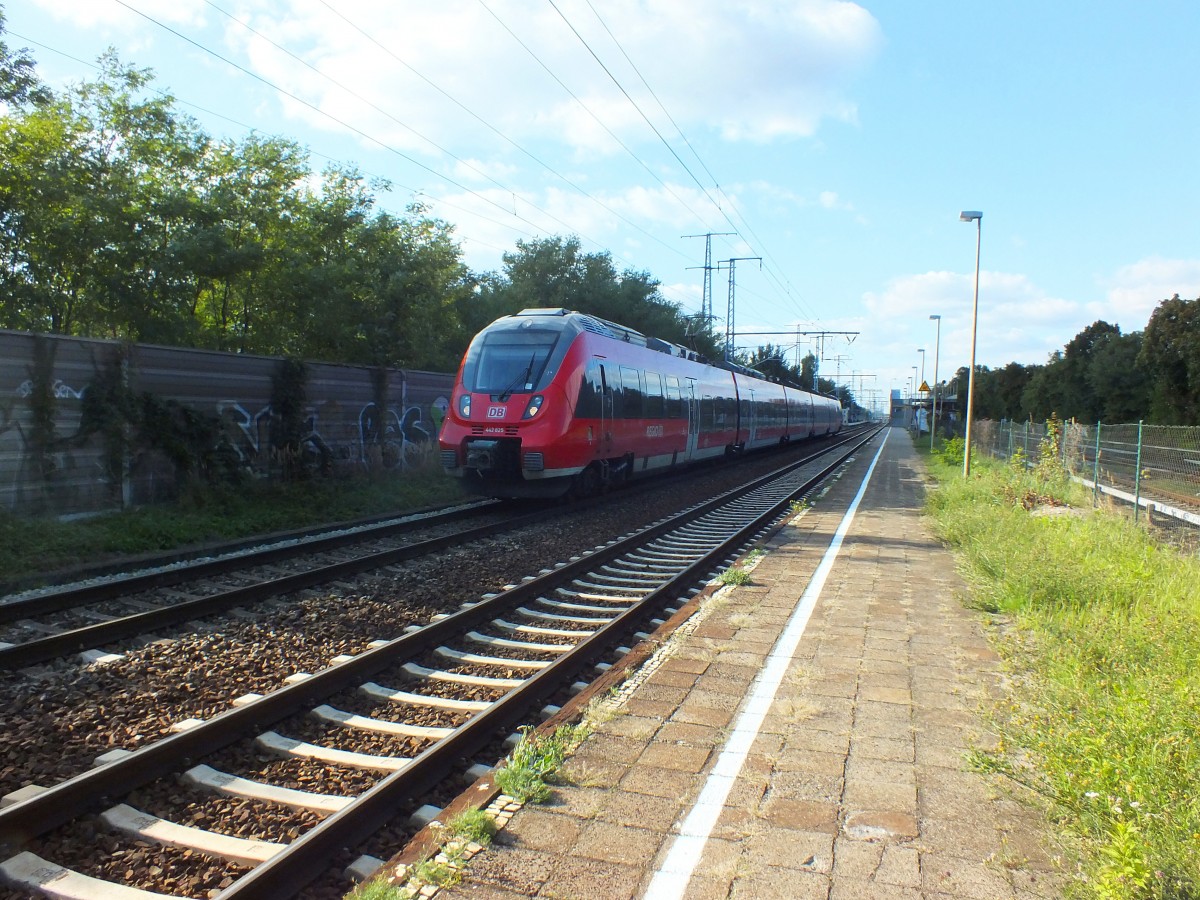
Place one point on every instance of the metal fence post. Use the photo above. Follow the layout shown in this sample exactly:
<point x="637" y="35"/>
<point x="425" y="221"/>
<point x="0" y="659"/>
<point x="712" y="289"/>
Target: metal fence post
<point x="1096" y="469"/>
<point x="1137" y="477"/>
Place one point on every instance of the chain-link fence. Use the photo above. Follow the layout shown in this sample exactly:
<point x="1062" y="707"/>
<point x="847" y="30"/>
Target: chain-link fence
<point x="1150" y="471"/>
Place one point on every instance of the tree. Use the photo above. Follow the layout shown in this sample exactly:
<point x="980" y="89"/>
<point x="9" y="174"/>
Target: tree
<point x="1011" y="382"/>
<point x="1043" y="395"/>
<point x="418" y="284"/>
<point x="90" y="197"/>
<point x="808" y="371"/>
<point x="121" y="218"/>
<point x="1079" y="400"/>
<point x="239" y="249"/>
<point x="770" y="360"/>
<point x="1119" y="381"/>
<point x="19" y="83"/>
<point x="1171" y="356"/>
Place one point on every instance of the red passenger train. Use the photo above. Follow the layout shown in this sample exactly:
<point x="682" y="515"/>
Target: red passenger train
<point x="550" y="400"/>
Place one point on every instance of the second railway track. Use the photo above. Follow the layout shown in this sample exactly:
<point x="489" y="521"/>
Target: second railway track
<point x="46" y="625"/>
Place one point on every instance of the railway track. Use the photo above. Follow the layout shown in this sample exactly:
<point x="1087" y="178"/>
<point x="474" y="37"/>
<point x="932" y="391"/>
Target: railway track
<point x="34" y="628"/>
<point x="396" y="720"/>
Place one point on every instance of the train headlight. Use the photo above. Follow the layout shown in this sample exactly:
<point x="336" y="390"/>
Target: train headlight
<point x="535" y="405"/>
<point x="464" y="406"/>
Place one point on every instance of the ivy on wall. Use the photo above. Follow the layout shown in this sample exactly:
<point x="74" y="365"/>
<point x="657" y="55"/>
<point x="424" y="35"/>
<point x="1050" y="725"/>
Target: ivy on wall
<point x="296" y="453"/>
<point x="133" y="426"/>
<point x="42" y="441"/>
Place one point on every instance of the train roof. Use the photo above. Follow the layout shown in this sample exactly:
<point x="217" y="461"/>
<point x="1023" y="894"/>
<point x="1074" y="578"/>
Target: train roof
<point x="580" y="322"/>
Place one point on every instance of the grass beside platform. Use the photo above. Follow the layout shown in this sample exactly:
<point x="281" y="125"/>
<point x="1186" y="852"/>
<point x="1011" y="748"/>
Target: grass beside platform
<point x="1102" y="637"/>
<point x="30" y="546"/>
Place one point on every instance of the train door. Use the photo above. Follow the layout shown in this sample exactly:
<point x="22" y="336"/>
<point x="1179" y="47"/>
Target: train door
<point x="693" y="414"/>
<point x="750" y="420"/>
<point x="606" y="414"/>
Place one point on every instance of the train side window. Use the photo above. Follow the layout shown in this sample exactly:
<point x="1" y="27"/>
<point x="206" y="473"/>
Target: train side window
<point x="654" y="396"/>
<point x="724" y="412"/>
<point x="675" y="407"/>
<point x="674" y="399"/>
<point x="590" y="391"/>
<point x="631" y="387"/>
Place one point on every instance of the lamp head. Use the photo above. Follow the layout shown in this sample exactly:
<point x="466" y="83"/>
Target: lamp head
<point x="970" y="215"/>
<point x="935" y="316"/>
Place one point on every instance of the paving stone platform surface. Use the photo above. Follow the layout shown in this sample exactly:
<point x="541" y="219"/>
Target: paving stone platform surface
<point x="857" y="786"/>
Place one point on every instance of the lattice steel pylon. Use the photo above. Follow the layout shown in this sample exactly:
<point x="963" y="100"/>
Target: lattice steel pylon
<point x="706" y="307"/>
<point x="729" y="330"/>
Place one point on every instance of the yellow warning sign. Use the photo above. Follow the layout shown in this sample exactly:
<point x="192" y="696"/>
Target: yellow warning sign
<point x="924" y="387"/>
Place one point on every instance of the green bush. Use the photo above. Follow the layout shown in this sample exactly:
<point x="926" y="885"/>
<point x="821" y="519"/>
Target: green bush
<point x="951" y="452"/>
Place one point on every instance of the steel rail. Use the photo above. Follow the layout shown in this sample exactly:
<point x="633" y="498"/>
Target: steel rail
<point x="275" y="548"/>
<point x="87" y="637"/>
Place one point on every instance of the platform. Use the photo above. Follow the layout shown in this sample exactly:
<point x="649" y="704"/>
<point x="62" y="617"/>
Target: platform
<point x="808" y="739"/>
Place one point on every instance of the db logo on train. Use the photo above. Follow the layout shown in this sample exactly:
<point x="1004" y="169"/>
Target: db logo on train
<point x="496" y="412"/>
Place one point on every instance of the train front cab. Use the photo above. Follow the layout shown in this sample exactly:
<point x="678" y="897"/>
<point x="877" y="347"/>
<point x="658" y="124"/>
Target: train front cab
<point x="509" y="403"/>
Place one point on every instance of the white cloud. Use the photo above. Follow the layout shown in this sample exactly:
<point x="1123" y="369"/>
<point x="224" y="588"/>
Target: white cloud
<point x="1018" y="321"/>
<point x="1135" y="290"/>
<point x="751" y="70"/>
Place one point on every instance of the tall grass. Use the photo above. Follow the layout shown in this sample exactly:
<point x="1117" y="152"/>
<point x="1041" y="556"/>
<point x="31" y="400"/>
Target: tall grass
<point x="1106" y="646"/>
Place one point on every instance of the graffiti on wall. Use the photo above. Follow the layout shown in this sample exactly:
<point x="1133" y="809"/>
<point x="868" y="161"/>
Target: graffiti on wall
<point x="28" y="467"/>
<point x="60" y="390"/>
<point x="394" y="438"/>
<point x="403" y="437"/>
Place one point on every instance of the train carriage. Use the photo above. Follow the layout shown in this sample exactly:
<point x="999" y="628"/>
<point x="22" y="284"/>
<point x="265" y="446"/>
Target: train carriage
<point x="550" y="400"/>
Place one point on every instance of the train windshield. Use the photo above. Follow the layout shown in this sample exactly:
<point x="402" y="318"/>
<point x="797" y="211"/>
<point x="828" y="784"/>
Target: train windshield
<point x="509" y="361"/>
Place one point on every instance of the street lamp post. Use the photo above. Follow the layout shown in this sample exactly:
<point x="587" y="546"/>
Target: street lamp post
<point x="971" y="215"/>
<point x="937" y="345"/>
<point x="921" y="350"/>
<point x="912" y="400"/>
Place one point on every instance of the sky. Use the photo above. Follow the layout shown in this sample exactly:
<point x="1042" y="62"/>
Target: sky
<point x="837" y="141"/>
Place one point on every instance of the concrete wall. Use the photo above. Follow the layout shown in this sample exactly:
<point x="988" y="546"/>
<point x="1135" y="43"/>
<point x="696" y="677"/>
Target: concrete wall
<point x="342" y="423"/>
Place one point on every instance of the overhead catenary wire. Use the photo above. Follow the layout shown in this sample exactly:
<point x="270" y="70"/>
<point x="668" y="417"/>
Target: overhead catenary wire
<point x="381" y="143"/>
<point x="488" y="125"/>
<point x="635" y="105"/>
<point x="372" y="138"/>
<point x="641" y="162"/>
<point x="652" y="92"/>
<point x="174" y="98"/>
<point x="466" y="163"/>
<point x="786" y="289"/>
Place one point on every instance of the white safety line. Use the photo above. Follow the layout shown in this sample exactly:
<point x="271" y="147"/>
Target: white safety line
<point x="671" y="879"/>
